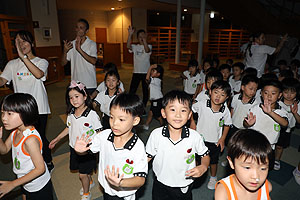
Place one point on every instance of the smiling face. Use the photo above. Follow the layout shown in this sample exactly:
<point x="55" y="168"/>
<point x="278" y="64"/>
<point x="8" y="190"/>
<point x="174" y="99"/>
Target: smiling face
<point x="81" y="30"/>
<point x="24" y="45"/>
<point x="217" y="96"/>
<point x="176" y="113"/>
<point x="249" y="174"/>
<point x="111" y="82"/>
<point x="121" y="122"/>
<point x="77" y="99"/>
<point x="271" y="94"/>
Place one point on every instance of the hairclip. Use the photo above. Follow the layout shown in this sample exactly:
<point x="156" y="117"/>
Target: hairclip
<point x="74" y="84"/>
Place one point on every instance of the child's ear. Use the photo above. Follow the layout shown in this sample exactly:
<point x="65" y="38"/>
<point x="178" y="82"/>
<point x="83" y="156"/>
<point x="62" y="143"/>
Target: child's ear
<point x="190" y="114"/>
<point x="163" y="113"/>
<point x="242" y="87"/>
<point x="230" y="162"/>
<point x="136" y="121"/>
<point x="280" y="94"/>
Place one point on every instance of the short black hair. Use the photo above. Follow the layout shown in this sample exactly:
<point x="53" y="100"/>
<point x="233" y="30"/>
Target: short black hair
<point x="112" y="73"/>
<point x="249" y="78"/>
<point x="290" y="84"/>
<point x="229" y="61"/>
<point x="286" y="73"/>
<point x="223" y="85"/>
<point x="207" y="61"/>
<point x="110" y="66"/>
<point x="225" y="66"/>
<point x="250" y="71"/>
<point x="179" y="95"/>
<point x="239" y="65"/>
<point x="87" y="26"/>
<point x="160" y="70"/>
<point x="282" y="62"/>
<point x="140" y="31"/>
<point x="213" y="73"/>
<point x="193" y="63"/>
<point x="251" y="144"/>
<point x="24" y="104"/>
<point x="272" y="82"/>
<point x="295" y="62"/>
<point x="129" y="103"/>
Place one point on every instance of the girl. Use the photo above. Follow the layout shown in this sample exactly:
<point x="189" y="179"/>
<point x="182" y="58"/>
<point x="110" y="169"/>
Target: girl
<point x="103" y="99"/>
<point x="27" y="74"/>
<point x="81" y="119"/>
<point x="205" y="69"/>
<point x="19" y="113"/>
<point x="154" y="78"/>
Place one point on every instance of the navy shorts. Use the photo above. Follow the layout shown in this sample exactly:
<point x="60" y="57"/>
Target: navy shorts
<point x="155" y="107"/>
<point x="46" y="193"/>
<point x="214" y="152"/>
<point x="284" y="139"/>
<point x="84" y="163"/>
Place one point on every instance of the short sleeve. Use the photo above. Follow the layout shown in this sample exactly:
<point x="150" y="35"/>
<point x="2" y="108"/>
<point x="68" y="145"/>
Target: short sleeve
<point x="68" y="121"/>
<point x="201" y="149"/>
<point x="141" y="167"/>
<point x="227" y="118"/>
<point x="43" y="66"/>
<point x="266" y="49"/>
<point x="186" y="73"/>
<point x="8" y="71"/>
<point x="196" y="107"/>
<point x="96" y="123"/>
<point x="122" y="86"/>
<point x="93" y="49"/>
<point x="96" y="143"/>
<point x="101" y="87"/>
<point x="151" y="146"/>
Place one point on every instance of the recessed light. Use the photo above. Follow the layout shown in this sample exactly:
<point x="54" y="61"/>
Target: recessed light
<point x="112" y="8"/>
<point x="185" y="10"/>
<point x="212" y="14"/>
<point x="119" y="0"/>
<point x="157" y="13"/>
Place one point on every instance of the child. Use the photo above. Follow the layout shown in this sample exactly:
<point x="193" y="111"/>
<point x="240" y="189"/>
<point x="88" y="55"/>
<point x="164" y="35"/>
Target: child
<point x="102" y="87"/>
<point x="173" y="148"/>
<point x="205" y="67"/>
<point x="249" y="154"/>
<point x="191" y="78"/>
<point x="213" y="123"/>
<point x="286" y="73"/>
<point x="235" y="79"/>
<point x="112" y="82"/>
<point x="81" y="119"/>
<point x="20" y="113"/>
<point x="225" y="71"/>
<point x="229" y="62"/>
<point x="120" y="149"/>
<point x="212" y="76"/>
<point x="290" y="103"/>
<point x="154" y="78"/>
<point x="268" y="117"/>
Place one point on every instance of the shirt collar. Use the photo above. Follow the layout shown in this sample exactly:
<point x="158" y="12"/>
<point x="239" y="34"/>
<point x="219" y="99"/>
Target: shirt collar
<point x="208" y="104"/>
<point x="130" y="143"/>
<point x="107" y="93"/>
<point x="206" y="92"/>
<point x="185" y="132"/>
<point x="84" y="114"/>
<point x="251" y="101"/>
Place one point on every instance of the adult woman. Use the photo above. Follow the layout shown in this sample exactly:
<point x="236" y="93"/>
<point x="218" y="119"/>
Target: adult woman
<point x="257" y="53"/>
<point x="27" y="74"/>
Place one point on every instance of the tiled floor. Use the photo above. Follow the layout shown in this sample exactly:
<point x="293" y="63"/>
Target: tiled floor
<point x="67" y="184"/>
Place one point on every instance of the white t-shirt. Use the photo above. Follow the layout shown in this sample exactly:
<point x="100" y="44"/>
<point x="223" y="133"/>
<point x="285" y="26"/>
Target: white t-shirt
<point x="171" y="159"/>
<point x="24" y="81"/>
<point x="203" y="95"/>
<point x="102" y="87"/>
<point x="141" y="59"/>
<point x="131" y="160"/>
<point x="190" y="84"/>
<point x="155" y="89"/>
<point x="235" y="85"/>
<point x="88" y="123"/>
<point x="210" y="124"/>
<point x="266" y="124"/>
<point x="291" y="118"/>
<point x="202" y="77"/>
<point x="259" y="57"/>
<point x="81" y="69"/>
<point x="103" y="99"/>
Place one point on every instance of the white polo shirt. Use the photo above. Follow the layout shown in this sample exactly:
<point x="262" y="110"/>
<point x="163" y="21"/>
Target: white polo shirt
<point x="24" y="81"/>
<point x="240" y="110"/>
<point x="190" y="84"/>
<point x="88" y="123"/>
<point x="202" y="77"/>
<point x="155" y="89"/>
<point x="103" y="99"/>
<point x="291" y="118"/>
<point x="141" y="59"/>
<point x="203" y="95"/>
<point x="171" y="159"/>
<point x="259" y="57"/>
<point x="210" y="124"/>
<point x="81" y="69"/>
<point x="235" y="85"/>
<point x="102" y="87"/>
<point x="266" y="124"/>
<point x="131" y="160"/>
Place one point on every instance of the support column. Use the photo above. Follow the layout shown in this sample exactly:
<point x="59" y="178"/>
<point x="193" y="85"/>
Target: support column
<point x="178" y="27"/>
<point x="201" y="31"/>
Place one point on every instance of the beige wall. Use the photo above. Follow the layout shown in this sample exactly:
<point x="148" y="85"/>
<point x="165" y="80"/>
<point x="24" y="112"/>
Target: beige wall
<point x="139" y="20"/>
<point x="46" y="15"/>
<point x="195" y="27"/>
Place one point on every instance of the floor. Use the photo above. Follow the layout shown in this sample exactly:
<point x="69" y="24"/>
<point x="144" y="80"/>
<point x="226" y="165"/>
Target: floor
<point x="67" y="185"/>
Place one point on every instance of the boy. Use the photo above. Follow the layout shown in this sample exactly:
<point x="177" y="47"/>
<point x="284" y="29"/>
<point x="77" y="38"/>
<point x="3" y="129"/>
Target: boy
<point x="173" y="148"/>
<point x="290" y="103"/>
<point x="141" y="60"/>
<point x="225" y="71"/>
<point x="120" y="149"/>
<point x="249" y="154"/>
<point x="235" y="79"/>
<point x="268" y="117"/>
<point x="213" y="123"/>
<point x="212" y="76"/>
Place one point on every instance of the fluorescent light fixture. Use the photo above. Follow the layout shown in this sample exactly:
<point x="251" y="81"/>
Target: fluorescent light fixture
<point x="212" y="14"/>
<point x="112" y="8"/>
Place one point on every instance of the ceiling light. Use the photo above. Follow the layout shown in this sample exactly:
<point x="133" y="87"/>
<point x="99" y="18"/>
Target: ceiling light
<point x="119" y="0"/>
<point x="185" y="10"/>
<point x="157" y="13"/>
<point x="112" y="8"/>
<point x="212" y="14"/>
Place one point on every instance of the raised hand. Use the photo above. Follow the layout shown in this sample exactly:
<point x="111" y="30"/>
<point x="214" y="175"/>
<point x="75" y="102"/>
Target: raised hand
<point x="250" y="119"/>
<point x="294" y="108"/>
<point x="18" y="47"/>
<point x="78" y="43"/>
<point x="267" y="107"/>
<point x="113" y="176"/>
<point x="67" y="46"/>
<point x="82" y="144"/>
<point x="130" y="30"/>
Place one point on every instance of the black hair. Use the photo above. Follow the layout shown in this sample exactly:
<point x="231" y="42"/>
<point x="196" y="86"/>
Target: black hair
<point x="86" y="23"/>
<point x="193" y="63"/>
<point x="213" y="73"/>
<point x="129" y="103"/>
<point x="88" y="101"/>
<point x="282" y="62"/>
<point x="110" y="66"/>
<point x="140" y="31"/>
<point x="249" y="71"/>
<point x="286" y="73"/>
<point x="225" y="66"/>
<point x="217" y="61"/>
<point x="265" y="78"/>
<point x="230" y="61"/>
<point x="290" y="84"/>
<point x="223" y="85"/>
<point x="295" y="62"/>
<point x="179" y="95"/>
<point x="249" y="78"/>
<point x="24" y="104"/>
<point x="160" y="70"/>
<point x="254" y="35"/>
<point x="112" y="73"/>
<point x="272" y="82"/>
<point x="239" y="65"/>
<point x="28" y="37"/>
<point x="251" y="144"/>
<point x="207" y="61"/>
